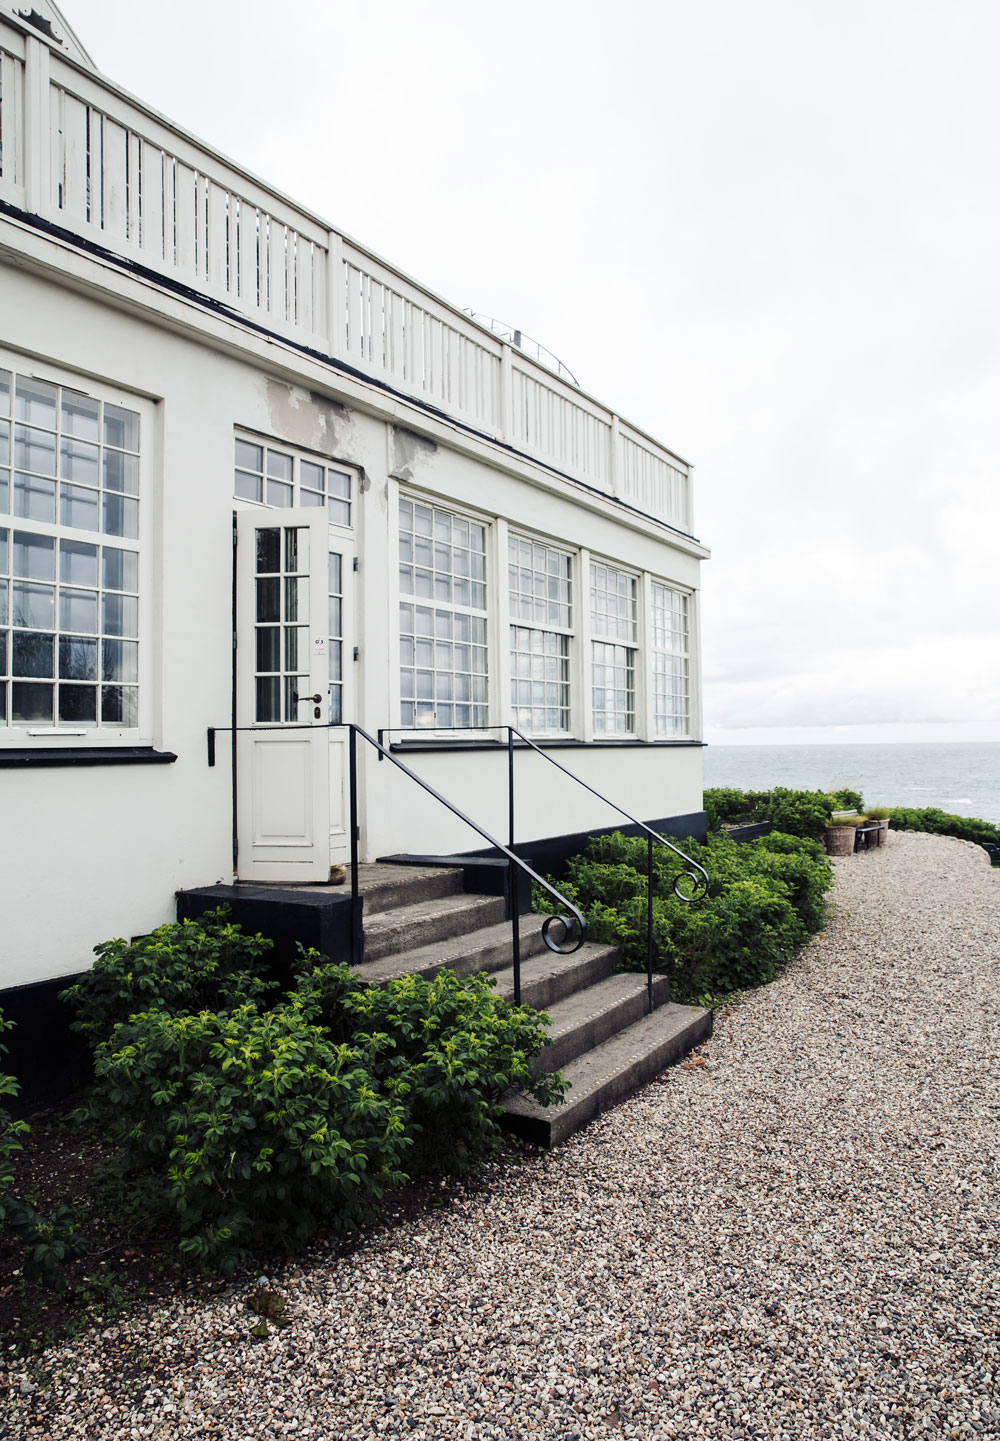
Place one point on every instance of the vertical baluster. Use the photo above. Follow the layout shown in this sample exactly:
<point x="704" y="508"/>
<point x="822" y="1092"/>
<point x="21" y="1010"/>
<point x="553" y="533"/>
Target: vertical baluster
<point x="513" y="881"/>
<point x="357" y="952"/>
<point x="649" y="922"/>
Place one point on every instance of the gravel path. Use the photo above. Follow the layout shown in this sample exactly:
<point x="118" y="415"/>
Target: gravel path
<point x="797" y="1238"/>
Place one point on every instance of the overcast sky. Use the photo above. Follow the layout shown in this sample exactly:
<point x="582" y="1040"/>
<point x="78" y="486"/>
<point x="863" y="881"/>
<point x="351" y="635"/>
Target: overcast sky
<point x="767" y="232"/>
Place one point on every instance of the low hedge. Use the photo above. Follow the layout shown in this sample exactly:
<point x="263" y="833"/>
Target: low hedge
<point x="794" y="812"/>
<point x="270" y="1113"/>
<point x="940" y="823"/>
<point x="765" y="898"/>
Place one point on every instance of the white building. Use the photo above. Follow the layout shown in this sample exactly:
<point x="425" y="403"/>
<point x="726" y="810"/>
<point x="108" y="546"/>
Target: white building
<point x="433" y="531"/>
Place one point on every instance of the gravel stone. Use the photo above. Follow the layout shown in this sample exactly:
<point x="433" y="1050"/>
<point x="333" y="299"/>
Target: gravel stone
<point x="797" y="1238"/>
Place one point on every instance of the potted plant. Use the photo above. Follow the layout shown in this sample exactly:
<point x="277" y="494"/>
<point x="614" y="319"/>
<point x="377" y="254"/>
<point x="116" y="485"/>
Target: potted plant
<point x="840" y="835"/>
<point x="882" y="815"/>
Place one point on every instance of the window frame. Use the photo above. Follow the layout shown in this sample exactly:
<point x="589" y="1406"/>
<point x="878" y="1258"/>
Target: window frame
<point x="669" y="653"/>
<point x="544" y="628"/>
<point x="85" y="734"/>
<point x="300" y="456"/>
<point x="410" y="729"/>
<point x="633" y="646"/>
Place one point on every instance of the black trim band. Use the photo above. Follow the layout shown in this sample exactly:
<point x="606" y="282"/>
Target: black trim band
<point x="554" y="745"/>
<point x="26" y="758"/>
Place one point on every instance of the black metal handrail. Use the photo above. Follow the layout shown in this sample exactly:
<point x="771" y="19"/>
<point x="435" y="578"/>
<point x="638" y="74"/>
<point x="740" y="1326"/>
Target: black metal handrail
<point x="573" y="929"/>
<point x="696" y="875"/>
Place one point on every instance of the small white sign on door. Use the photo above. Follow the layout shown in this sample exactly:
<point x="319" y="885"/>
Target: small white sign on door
<point x="319" y="645"/>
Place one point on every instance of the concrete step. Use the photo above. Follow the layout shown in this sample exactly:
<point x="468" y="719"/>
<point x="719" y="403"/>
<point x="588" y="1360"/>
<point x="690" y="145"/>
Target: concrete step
<point x="487" y="949"/>
<point x="590" y="1017"/>
<point x="547" y="977"/>
<point x="385" y="888"/>
<point x="611" y="1072"/>
<point x="406" y="928"/>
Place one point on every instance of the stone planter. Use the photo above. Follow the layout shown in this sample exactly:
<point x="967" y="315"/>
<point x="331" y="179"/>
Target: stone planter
<point x="839" y="840"/>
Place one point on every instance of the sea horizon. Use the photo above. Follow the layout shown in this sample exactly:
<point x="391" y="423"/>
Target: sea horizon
<point x="961" y="777"/>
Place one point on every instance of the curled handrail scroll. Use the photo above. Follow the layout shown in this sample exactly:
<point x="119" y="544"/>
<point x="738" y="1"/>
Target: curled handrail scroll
<point x="695" y="874"/>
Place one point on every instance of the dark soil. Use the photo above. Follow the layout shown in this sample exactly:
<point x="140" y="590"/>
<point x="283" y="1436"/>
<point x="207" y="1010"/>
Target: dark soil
<point x="130" y="1255"/>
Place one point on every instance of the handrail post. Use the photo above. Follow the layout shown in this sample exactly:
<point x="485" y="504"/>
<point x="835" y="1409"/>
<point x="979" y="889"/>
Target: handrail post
<point x="352" y="749"/>
<point x="649" y="922"/>
<point x="513" y="880"/>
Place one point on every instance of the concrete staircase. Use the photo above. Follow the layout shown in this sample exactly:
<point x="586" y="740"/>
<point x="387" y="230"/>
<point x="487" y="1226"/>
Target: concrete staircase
<point x="419" y="920"/>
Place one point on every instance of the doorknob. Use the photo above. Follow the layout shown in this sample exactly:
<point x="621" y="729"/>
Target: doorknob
<point x="314" y="698"/>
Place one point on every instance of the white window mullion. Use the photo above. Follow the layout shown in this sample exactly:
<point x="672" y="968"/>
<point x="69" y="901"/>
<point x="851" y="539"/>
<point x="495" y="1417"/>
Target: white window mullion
<point x="501" y="710"/>
<point x="582" y="664"/>
<point x="443" y="618"/>
<point x="540" y="596"/>
<point x="645" y="723"/>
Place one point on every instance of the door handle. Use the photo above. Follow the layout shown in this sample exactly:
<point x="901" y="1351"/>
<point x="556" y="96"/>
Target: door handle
<point x="315" y="699"/>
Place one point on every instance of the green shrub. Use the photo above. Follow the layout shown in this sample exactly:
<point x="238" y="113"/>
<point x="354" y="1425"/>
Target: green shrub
<point x="49" y="1240"/>
<point x="260" y="1124"/>
<point x="796" y="813"/>
<point x="189" y="966"/>
<point x="940" y="823"/>
<point x="11" y="1130"/>
<point x="448" y="1048"/>
<point x="764" y="899"/>
<point x="267" y="1117"/>
<point x="848" y="800"/>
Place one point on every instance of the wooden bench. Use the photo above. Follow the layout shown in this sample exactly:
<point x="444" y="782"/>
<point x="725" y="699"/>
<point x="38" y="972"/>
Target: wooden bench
<point x="867" y="836"/>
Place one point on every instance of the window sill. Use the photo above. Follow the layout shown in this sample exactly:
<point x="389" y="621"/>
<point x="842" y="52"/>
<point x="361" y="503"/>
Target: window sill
<point x="543" y="743"/>
<point x="18" y="757"/>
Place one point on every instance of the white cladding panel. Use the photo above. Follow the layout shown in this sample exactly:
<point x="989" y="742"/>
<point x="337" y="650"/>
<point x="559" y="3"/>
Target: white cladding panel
<point x="84" y="155"/>
<point x="103" y="849"/>
<point x="651" y="783"/>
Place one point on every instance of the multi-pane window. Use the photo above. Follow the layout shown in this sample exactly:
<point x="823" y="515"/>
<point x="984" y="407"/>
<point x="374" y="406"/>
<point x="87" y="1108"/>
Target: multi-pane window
<point x="614" y="623"/>
<point x="271" y="475"/>
<point x="442" y="618"/>
<point x="281" y="626"/>
<point x="670" y="661"/>
<point x="69" y="558"/>
<point x="540" y="588"/>
<point x="336" y="637"/>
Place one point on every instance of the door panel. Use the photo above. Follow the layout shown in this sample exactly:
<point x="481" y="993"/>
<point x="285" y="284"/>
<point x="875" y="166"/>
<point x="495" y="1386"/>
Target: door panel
<point x="282" y="680"/>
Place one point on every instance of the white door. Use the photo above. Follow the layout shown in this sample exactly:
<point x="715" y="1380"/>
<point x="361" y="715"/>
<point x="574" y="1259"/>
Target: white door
<point x="283" y="693"/>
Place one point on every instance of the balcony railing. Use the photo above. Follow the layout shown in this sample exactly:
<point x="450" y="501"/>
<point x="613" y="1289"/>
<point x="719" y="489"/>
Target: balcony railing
<point x="80" y="152"/>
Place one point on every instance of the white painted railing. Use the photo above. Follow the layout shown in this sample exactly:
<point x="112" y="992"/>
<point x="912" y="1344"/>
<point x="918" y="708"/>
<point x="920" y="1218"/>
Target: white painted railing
<point x="11" y="117"/>
<point x="78" y="151"/>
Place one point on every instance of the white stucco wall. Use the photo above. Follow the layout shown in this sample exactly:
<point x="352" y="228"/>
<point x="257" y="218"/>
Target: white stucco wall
<point x="98" y="851"/>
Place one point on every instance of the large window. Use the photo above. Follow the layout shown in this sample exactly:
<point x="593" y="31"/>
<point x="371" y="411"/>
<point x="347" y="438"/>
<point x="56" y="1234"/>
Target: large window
<point x="442" y="618"/>
<point x="613" y="620"/>
<point x="272" y="475"/>
<point x="540" y="590"/>
<point x="670" y="661"/>
<point x="69" y="559"/>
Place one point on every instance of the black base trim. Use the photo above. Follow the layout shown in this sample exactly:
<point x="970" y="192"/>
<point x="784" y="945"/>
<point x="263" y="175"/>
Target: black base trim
<point x="48" y="1060"/>
<point x="28" y="756"/>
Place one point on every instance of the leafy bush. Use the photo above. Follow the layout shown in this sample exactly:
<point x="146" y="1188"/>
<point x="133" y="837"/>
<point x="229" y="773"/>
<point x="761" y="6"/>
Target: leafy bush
<point x="50" y="1240"/>
<point x="268" y="1115"/>
<point x="10" y="1130"/>
<point x="940" y="823"/>
<point x="454" y="1047"/>
<point x="764" y="899"/>
<point x="189" y="966"/>
<point x="796" y="813"/>
<point x="260" y="1123"/>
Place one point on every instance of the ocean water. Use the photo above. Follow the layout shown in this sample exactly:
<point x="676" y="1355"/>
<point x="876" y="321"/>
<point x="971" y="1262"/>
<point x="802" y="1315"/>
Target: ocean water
<point x="962" y="778"/>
